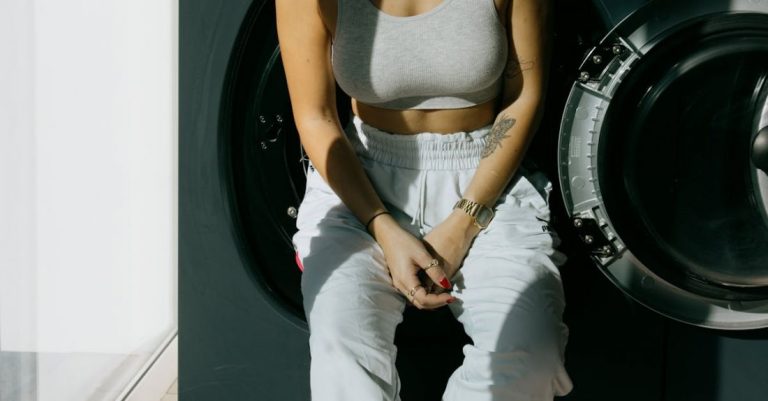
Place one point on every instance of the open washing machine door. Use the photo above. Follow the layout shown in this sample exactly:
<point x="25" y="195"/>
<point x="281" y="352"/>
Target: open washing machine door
<point x="662" y="158"/>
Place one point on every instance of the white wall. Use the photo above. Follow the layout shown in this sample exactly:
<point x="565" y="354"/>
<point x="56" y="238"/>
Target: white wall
<point x="18" y="285"/>
<point x="88" y="167"/>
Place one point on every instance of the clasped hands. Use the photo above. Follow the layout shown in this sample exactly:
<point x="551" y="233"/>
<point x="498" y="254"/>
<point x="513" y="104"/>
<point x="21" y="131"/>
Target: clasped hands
<point x="411" y="262"/>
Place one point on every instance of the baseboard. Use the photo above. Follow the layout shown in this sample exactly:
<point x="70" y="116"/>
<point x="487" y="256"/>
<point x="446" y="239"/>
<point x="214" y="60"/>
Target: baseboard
<point x="157" y="375"/>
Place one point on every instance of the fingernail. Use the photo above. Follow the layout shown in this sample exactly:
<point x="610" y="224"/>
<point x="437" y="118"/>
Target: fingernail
<point x="445" y="283"/>
<point x="450" y="300"/>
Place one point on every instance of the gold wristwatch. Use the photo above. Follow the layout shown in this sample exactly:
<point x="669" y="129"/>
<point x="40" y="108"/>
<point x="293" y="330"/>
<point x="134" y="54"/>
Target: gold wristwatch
<point x="481" y="214"/>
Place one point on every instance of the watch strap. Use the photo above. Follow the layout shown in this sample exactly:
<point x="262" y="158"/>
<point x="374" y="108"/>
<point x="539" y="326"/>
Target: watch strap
<point x="474" y="209"/>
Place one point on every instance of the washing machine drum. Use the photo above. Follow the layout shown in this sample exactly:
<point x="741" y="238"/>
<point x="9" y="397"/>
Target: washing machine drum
<point x="663" y="160"/>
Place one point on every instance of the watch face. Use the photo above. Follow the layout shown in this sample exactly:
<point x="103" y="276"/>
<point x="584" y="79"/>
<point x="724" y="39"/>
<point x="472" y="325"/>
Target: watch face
<point x="484" y="216"/>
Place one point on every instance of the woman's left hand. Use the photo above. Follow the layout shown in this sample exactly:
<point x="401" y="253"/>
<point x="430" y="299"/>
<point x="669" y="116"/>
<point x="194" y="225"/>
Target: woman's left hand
<point x="449" y="243"/>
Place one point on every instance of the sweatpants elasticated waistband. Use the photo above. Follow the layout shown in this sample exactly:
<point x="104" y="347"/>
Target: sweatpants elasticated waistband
<point x="421" y="151"/>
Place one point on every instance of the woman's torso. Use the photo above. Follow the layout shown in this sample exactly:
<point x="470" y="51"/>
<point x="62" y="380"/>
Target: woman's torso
<point x="410" y="121"/>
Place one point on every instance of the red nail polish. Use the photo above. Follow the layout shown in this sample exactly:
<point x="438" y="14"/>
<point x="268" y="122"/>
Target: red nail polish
<point x="445" y="283"/>
<point x="450" y="300"/>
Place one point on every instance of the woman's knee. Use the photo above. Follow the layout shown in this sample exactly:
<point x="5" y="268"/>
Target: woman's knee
<point x="510" y="307"/>
<point x="355" y="304"/>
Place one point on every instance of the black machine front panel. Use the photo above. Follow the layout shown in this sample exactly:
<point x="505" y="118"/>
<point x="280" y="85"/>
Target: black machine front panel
<point x="242" y="330"/>
<point x="237" y="339"/>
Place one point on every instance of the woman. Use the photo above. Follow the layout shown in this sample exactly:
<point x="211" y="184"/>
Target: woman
<point x="446" y="95"/>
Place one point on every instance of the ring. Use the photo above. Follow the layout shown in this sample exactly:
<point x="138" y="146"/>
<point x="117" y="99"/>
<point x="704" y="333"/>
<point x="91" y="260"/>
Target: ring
<point x="433" y="263"/>
<point x="412" y="292"/>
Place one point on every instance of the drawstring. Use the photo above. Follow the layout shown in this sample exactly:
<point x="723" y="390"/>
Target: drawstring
<point x="418" y="217"/>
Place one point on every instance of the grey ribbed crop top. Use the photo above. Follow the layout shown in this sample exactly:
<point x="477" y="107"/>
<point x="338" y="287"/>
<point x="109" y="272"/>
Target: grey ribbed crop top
<point x="451" y="56"/>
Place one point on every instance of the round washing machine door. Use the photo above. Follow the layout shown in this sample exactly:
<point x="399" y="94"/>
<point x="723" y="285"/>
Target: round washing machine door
<point x="262" y="161"/>
<point x="264" y="170"/>
<point x="663" y="158"/>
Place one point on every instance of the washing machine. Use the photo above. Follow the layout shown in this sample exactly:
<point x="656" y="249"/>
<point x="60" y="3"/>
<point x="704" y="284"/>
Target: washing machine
<point x="646" y="185"/>
<point x="663" y="154"/>
<point x="242" y="330"/>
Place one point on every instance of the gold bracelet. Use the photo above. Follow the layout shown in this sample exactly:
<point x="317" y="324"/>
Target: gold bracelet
<point x="368" y="224"/>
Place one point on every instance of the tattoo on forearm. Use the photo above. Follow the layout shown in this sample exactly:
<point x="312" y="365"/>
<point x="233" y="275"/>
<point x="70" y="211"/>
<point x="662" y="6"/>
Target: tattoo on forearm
<point x="516" y="67"/>
<point x="497" y="134"/>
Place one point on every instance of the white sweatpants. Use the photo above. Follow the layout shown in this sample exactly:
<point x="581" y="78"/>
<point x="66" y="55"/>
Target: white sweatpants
<point x="509" y="294"/>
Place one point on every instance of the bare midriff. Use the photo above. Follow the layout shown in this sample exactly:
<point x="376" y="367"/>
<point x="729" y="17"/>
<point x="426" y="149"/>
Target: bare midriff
<point x="414" y="121"/>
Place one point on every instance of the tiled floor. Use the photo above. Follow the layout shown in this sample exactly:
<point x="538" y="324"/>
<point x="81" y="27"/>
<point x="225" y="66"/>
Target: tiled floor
<point x="173" y="392"/>
<point x="41" y="375"/>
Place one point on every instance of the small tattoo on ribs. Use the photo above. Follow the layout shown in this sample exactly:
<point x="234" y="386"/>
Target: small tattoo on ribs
<point x="497" y="134"/>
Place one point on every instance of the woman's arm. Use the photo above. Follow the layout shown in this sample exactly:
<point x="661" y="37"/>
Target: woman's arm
<point x="511" y="133"/>
<point x="305" y="46"/>
<point x="305" y="51"/>
<point x="522" y="100"/>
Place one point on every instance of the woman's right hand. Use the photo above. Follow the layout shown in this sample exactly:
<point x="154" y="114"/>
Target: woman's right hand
<point x="405" y="256"/>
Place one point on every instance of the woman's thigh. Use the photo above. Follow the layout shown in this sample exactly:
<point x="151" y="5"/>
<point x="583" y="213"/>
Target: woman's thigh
<point x="345" y="279"/>
<point x="509" y="289"/>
